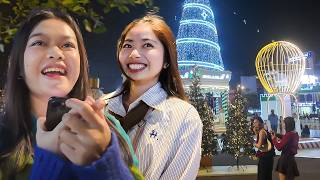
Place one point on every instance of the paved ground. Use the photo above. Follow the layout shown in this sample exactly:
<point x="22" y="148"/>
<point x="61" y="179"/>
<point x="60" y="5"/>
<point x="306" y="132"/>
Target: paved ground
<point x="308" y="163"/>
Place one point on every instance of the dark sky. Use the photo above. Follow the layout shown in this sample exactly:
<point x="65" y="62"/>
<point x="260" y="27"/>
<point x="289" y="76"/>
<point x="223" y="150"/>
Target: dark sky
<point x="237" y="22"/>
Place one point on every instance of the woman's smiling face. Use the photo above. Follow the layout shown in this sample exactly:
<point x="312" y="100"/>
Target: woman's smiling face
<point x="142" y="55"/>
<point x="51" y="59"/>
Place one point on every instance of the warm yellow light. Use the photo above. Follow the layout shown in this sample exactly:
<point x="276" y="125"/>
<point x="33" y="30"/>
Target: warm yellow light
<point x="280" y="65"/>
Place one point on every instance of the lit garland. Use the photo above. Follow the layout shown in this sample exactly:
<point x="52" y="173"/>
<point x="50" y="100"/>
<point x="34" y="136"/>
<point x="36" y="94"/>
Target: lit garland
<point x="197" y="41"/>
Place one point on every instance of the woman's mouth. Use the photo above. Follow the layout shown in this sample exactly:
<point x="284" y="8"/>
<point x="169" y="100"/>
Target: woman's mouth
<point x="136" y="67"/>
<point x="54" y="71"/>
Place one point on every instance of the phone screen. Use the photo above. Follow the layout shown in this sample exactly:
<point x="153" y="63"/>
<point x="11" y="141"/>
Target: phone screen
<point x="56" y="109"/>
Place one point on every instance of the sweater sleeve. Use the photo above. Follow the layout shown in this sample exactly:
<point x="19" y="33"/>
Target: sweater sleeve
<point x="48" y="165"/>
<point x="109" y="166"/>
<point x="280" y="145"/>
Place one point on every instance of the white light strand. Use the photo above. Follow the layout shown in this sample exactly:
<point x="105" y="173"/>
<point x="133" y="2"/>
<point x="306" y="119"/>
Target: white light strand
<point x="197" y="41"/>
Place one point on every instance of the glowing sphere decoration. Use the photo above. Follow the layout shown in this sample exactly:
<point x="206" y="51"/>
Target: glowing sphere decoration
<point x="280" y="66"/>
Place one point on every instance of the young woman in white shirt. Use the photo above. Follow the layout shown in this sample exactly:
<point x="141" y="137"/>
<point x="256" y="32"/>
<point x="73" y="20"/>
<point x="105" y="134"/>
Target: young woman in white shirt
<point x="167" y="140"/>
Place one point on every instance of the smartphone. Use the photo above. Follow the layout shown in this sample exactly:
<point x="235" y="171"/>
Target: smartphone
<point x="56" y="109"/>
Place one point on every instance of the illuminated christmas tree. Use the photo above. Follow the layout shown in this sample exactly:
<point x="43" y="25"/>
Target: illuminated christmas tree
<point x="239" y="138"/>
<point x="197" y="99"/>
<point x="197" y="40"/>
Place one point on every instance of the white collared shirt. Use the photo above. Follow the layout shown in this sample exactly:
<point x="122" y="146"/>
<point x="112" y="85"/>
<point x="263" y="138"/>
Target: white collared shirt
<point x="170" y="144"/>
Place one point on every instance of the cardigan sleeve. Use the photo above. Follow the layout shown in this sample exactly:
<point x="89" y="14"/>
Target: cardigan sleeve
<point x="48" y="165"/>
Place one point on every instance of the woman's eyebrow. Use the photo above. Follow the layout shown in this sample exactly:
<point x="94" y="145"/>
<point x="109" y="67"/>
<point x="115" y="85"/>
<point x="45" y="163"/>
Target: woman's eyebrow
<point x="35" y="34"/>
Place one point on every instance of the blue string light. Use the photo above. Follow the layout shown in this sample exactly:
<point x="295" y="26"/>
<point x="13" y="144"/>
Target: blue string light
<point x="198" y="5"/>
<point x="197" y="41"/>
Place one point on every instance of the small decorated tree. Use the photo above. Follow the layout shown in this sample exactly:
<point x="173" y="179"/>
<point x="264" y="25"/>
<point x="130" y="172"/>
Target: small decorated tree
<point x="197" y="99"/>
<point x="239" y="138"/>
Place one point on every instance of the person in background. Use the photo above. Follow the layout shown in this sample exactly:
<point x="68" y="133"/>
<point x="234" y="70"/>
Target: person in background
<point x="48" y="58"/>
<point x="305" y="132"/>
<point x="168" y="130"/>
<point x="273" y="119"/>
<point x="288" y="145"/>
<point x="265" y="163"/>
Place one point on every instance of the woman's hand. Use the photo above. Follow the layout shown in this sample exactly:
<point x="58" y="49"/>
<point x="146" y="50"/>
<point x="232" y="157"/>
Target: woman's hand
<point x="87" y="133"/>
<point x="48" y="140"/>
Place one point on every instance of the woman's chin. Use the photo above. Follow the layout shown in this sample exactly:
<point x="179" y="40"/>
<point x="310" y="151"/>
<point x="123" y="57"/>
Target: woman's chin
<point x="58" y="93"/>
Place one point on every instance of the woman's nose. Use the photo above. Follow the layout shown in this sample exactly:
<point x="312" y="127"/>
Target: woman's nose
<point x="55" y="53"/>
<point x="135" y="54"/>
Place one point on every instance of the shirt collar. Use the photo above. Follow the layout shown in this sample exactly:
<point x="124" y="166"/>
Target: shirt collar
<point x="152" y="97"/>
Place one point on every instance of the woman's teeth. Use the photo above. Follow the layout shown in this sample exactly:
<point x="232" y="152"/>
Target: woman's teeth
<point x="54" y="70"/>
<point x="136" y="66"/>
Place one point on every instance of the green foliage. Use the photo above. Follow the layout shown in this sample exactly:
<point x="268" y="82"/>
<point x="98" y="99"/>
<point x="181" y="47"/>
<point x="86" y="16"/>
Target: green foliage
<point x="197" y="99"/>
<point x="239" y="138"/>
<point x="13" y="12"/>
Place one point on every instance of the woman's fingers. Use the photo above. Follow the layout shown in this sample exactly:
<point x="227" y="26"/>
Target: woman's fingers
<point x="40" y="124"/>
<point x="87" y="134"/>
<point x="97" y="105"/>
<point x="86" y="112"/>
<point x="80" y="152"/>
<point x="75" y="123"/>
<point x="90" y="100"/>
<point x="48" y="140"/>
<point x="70" y="138"/>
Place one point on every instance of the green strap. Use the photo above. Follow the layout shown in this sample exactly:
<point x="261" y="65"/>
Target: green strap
<point x="125" y="136"/>
<point x="136" y="173"/>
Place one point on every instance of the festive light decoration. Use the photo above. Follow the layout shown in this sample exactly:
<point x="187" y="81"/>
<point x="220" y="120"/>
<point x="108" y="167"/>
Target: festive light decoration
<point x="197" y="46"/>
<point x="197" y="99"/>
<point x="280" y="66"/>
<point x="197" y="40"/>
<point x="239" y="137"/>
<point x="225" y="102"/>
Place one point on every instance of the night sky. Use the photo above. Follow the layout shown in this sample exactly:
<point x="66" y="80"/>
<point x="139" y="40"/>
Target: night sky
<point x="244" y="27"/>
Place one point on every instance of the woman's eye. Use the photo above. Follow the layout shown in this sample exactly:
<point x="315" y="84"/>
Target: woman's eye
<point x="126" y="46"/>
<point x="148" y="45"/>
<point x="37" y="43"/>
<point x="68" y="45"/>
